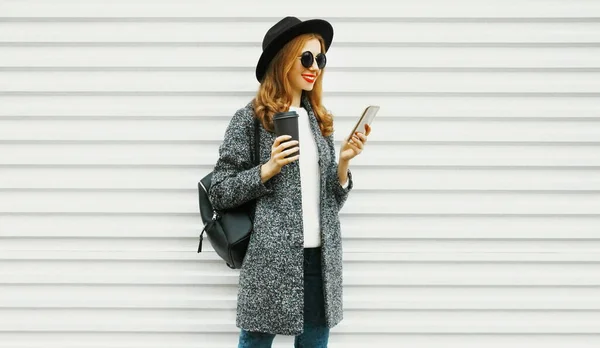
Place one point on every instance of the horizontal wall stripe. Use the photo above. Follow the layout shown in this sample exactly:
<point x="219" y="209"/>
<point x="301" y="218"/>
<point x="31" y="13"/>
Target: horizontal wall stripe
<point x="385" y="129"/>
<point x="451" y="155"/>
<point x="352" y="305"/>
<point x="341" y="58"/>
<point x="528" y="296"/>
<point x="406" y="107"/>
<point x="359" y="247"/>
<point x="526" y="231"/>
<point x="257" y="44"/>
<point x="267" y="19"/>
<point x="386" y="201"/>
<point x="136" y="319"/>
<point x="336" y="82"/>
<point x="346" y="339"/>
<point x="250" y="95"/>
<point x="350" y="279"/>
<point x="359" y="260"/>
<point x="357" y="69"/>
<point x="240" y="8"/>
<point x="345" y="32"/>
<point x="169" y="178"/>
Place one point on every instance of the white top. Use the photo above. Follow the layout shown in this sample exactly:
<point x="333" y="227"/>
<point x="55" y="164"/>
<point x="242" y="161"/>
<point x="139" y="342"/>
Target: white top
<point x="310" y="177"/>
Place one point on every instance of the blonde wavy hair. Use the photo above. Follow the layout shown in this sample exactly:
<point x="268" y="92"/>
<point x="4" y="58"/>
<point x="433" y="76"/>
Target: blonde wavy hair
<point x="275" y="92"/>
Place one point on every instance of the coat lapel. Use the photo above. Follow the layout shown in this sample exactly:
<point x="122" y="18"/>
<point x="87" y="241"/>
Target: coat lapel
<point x="316" y="132"/>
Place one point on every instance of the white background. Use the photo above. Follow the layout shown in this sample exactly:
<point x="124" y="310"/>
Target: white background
<point x="475" y="217"/>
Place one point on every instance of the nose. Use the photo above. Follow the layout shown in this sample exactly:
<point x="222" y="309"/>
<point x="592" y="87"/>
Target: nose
<point x="315" y="66"/>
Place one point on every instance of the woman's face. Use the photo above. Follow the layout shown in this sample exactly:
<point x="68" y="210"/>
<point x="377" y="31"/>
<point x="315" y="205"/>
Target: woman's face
<point x="300" y="77"/>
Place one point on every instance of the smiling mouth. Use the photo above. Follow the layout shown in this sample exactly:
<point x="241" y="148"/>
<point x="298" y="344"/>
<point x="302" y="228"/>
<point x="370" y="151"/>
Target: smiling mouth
<point x="309" y="78"/>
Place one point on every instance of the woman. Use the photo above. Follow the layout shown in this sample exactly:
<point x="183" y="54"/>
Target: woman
<point x="291" y="278"/>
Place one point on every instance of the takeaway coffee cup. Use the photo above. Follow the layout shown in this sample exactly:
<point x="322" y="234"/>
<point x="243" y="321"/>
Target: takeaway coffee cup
<point x="286" y="123"/>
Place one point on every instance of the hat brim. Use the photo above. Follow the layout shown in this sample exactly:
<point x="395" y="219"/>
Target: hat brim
<point x="317" y="26"/>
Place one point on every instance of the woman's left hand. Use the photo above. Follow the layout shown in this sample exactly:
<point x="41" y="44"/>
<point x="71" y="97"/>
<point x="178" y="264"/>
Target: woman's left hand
<point x="353" y="147"/>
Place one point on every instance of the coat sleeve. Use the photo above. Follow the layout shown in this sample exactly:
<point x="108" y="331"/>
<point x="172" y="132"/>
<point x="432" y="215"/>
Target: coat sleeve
<point x="236" y="179"/>
<point x="333" y="181"/>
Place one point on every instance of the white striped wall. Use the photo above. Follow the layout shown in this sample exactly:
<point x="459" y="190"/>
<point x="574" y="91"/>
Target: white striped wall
<point x="475" y="217"/>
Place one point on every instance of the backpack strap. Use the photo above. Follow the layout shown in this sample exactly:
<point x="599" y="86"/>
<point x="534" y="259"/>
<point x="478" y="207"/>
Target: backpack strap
<point x="256" y="160"/>
<point x="256" y="142"/>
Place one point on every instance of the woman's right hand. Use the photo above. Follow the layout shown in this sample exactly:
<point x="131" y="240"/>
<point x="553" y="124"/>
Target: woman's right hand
<point x="279" y="151"/>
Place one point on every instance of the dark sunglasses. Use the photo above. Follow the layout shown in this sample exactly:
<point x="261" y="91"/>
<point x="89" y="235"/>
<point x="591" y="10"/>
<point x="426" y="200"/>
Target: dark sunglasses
<point x="307" y="59"/>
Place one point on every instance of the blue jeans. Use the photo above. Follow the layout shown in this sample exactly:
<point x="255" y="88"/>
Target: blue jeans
<point x="316" y="333"/>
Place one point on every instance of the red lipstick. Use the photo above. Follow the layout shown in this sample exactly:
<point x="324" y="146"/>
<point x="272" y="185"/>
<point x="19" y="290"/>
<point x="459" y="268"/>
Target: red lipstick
<point x="309" y="78"/>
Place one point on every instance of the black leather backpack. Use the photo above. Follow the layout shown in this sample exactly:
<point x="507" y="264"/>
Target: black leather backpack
<point x="228" y="230"/>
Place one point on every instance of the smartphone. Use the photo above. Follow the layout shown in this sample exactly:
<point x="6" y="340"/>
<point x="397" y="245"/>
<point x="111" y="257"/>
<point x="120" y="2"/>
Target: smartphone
<point x="367" y="117"/>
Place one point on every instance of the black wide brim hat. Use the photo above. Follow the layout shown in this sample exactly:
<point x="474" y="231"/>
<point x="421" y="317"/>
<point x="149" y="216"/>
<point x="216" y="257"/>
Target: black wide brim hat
<point x="283" y="32"/>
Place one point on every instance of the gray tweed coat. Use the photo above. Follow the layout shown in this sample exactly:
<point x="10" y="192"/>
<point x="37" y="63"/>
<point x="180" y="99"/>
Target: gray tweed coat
<point x="271" y="283"/>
